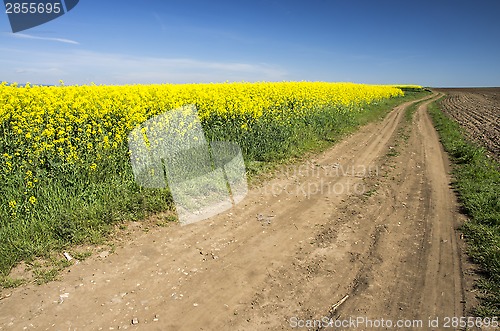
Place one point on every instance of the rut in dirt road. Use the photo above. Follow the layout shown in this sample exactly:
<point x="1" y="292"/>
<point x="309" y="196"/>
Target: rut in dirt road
<point x="416" y="274"/>
<point x="352" y="221"/>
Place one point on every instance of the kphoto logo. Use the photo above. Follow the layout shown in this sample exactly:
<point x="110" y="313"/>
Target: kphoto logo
<point x="204" y="179"/>
<point x="25" y="15"/>
<point x="311" y="179"/>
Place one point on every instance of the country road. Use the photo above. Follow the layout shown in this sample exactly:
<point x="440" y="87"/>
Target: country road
<point x="367" y="229"/>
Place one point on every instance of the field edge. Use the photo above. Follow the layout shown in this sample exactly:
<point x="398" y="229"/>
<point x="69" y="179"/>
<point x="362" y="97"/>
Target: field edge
<point x="476" y="179"/>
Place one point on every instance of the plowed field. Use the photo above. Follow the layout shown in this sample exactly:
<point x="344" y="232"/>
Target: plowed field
<point x="478" y="111"/>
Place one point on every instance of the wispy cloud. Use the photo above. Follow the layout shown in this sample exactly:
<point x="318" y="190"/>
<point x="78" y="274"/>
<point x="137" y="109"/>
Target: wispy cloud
<point x="160" y="21"/>
<point x="28" y="36"/>
<point x="44" y="71"/>
<point x="82" y="67"/>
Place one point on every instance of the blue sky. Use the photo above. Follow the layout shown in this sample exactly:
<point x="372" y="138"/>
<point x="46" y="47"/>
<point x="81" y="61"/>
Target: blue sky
<point x="432" y="43"/>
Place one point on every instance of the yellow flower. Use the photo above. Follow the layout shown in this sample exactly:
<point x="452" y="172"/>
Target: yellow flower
<point x="74" y="124"/>
<point x="32" y="200"/>
<point x="12" y="204"/>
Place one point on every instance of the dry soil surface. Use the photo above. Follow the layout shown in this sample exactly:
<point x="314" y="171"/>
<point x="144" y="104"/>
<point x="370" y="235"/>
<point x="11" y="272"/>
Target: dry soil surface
<point x="365" y="231"/>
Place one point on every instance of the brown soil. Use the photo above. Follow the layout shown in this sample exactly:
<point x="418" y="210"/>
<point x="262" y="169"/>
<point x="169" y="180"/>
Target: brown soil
<point x="478" y="111"/>
<point x="371" y="221"/>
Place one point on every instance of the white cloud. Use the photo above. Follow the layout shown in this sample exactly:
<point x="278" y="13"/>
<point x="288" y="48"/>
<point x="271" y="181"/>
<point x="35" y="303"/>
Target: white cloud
<point x="28" y="36"/>
<point x="83" y="67"/>
<point x="45" y="71"/>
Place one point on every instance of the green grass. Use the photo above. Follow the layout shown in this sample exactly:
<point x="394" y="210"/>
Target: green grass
<point x="84" y="206"/>
<point x="410" y="111"/>
<point x="412" y="88"/>
<point x="477" y="181"/>
<point x="9" y="282"/>
<point x="259" y="170"/>
<point x="404" y="130"/>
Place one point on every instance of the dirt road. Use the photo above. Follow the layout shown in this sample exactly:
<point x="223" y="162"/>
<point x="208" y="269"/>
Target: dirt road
<point x="371" y="221"/>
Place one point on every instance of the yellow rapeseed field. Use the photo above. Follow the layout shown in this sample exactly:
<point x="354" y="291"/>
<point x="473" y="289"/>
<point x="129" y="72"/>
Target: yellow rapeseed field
<point x="73" y="121"/>
<point x="63" y="149"/>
